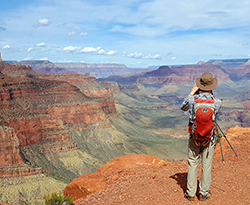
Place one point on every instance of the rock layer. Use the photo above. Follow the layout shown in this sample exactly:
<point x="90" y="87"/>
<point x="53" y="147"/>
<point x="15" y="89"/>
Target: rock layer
<point x="40" y="110"/>
<point x="9" y="149"/>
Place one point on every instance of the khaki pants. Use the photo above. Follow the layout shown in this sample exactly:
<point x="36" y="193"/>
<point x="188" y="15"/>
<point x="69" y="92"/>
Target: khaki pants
<point x="195" y="153"/>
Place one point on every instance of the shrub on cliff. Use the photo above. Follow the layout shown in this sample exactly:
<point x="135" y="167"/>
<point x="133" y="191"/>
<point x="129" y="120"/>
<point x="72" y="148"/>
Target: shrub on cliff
<point x="58" y="199"/>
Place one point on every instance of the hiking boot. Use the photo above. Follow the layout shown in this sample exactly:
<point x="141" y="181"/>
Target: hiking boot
<point x="189" y="198"/>
<point x="203" y="198"/>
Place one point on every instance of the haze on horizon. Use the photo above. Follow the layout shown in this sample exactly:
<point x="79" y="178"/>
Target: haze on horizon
<point x="138" y="33"/>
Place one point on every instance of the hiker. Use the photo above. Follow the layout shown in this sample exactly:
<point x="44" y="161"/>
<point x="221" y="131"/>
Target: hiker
<point x="202" y="135"/>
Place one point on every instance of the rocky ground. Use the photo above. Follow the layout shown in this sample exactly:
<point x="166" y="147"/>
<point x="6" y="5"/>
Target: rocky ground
<point x="166" y="183"/>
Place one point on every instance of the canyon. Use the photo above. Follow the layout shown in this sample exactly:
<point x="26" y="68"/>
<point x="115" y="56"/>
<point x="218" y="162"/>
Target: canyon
<point x="54" y="128"/>
<point x="59" y="124"/>
<point x="38" y="115"/>
<point x="168" y="85"/>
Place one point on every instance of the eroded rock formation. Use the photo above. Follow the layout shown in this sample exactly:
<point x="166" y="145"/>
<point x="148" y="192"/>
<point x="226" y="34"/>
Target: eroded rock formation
<point x="9" y="150"/>
<point x="40" y="110"/>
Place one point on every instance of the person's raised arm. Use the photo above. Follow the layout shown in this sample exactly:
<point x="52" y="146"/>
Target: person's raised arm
<point x="194" y="89"/>
<point x="189" y="98"/>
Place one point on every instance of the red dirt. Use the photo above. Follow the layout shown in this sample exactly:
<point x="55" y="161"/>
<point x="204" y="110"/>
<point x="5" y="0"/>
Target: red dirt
<point x="148" y="184"/>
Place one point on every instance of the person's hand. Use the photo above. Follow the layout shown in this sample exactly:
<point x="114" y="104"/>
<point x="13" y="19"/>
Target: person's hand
<point x="194" y="89"/>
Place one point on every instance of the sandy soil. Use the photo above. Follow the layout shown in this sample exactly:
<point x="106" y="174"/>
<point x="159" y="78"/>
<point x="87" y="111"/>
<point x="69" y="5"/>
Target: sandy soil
<point x="167" y="184"/>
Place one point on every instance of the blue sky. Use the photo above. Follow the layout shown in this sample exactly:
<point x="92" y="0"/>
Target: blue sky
<point x="138" y="33"/>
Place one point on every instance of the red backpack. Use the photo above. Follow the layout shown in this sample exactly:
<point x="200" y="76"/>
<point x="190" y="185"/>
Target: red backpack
<point x="203" y="125"/>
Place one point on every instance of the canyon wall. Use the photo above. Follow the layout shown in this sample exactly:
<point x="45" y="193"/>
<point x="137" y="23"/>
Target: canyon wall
<point x="39" y="117"/>
<point x="41" y="110"/>
<point x="9" y="150"/>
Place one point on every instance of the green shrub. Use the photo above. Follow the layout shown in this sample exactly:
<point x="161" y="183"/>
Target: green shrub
<point x="58" y="199"/>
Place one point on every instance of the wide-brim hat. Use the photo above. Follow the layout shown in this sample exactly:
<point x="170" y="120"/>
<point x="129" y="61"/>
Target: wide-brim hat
<point x="206" y="82"/>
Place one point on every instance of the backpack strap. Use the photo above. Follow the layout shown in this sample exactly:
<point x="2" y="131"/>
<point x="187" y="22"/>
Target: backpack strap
<point x="205" y="143"/>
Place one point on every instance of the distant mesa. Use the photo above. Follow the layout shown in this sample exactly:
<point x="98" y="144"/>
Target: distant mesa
<point x="98" y="70"/>
<point x="228" y="63"/>
<point x="161" y="71"/>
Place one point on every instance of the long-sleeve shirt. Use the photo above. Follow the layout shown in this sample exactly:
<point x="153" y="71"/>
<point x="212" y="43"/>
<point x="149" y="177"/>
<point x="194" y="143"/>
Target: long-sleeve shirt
<point x="188" y="102"/>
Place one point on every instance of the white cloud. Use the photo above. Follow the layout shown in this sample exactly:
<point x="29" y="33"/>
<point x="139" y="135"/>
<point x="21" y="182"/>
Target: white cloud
<point x="135" y="55"/>
<point x="43" y="59"/>
<point x="90" y="49"/>
<point x="98" y="50"/>
<point x="173" y="58"/>
<point x="29" y="49"/>
<point x="73" y="33"/>
<point x="189" y="29"/>
<point x="83" y="34"/>
<point x="141" y="56"/>
<point x="41" y="44"/>
<point x="6" y="47"/>
<point x="111" y="52"/>
<point x="101" y="51"/>
<point x="157" y="17"/>
<point x="71" y="48"/>
<point x="42" y="23"/>
<point x="156" y="56"/>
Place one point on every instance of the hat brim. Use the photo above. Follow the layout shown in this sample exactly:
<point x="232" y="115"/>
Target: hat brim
<point x="207" y="87"/>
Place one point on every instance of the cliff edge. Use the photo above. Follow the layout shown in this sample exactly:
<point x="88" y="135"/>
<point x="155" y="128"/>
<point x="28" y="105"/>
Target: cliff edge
<point x="134" y="179"/>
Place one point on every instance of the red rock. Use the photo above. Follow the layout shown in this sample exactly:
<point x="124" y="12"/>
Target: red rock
<point x="81" y="113"/>
<point x="39" y="129"/>
<point x="37" y="108"/>
<point x="167" y="184"/>
<point x="90" y="87"/>
<point x="9" y="149"/>
<point x="16" y="70"/>
<point x="17" y="170"/>
<point x="11" y="164"/>
<point x="97" y="181"/>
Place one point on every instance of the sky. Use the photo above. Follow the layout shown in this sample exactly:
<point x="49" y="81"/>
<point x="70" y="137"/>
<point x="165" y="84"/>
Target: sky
<point x="137" y="33"/>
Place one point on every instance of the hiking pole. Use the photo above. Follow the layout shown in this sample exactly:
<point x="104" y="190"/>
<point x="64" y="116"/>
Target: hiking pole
<point x="227" y="140"/>
<point x="219" y="136"/>
<point x="223" y="160"/>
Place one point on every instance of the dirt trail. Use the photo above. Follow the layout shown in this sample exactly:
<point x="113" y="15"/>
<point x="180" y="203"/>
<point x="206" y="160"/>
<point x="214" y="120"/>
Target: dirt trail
<point x="166" y="184"/>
